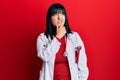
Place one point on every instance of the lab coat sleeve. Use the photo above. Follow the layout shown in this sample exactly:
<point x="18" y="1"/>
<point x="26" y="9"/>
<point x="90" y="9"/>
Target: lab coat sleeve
<point x="46" y="50"/>
<point x="82" y="61"/>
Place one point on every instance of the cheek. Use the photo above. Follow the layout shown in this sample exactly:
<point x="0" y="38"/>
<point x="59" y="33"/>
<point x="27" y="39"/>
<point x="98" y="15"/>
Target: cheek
<point x="63" y="18"/>
<point x="54" y="21"/>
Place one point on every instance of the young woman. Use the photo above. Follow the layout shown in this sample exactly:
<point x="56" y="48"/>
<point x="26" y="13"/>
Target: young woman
<point x="61" y="49"/>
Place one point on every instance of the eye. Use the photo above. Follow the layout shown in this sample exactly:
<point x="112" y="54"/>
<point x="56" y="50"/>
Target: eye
<point x="55" y="13"/>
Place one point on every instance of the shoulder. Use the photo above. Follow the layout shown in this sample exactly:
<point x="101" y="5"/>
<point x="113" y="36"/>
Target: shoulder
<point x="74" y="34"/>
<point x="41" y="36"/>
<point x="75" y="37"/>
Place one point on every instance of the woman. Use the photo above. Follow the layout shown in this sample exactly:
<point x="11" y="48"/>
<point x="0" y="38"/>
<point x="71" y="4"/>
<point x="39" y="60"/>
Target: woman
<point x="61" y="49"/>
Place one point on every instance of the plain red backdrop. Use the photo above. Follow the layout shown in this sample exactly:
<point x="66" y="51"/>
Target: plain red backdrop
<point x="21" y="21"/>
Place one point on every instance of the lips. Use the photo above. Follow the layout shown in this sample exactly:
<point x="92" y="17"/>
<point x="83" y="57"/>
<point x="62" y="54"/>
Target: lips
<point x="59" y="22"/>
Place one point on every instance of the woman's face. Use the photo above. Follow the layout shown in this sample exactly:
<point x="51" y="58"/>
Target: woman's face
<point x="58" y="19"/>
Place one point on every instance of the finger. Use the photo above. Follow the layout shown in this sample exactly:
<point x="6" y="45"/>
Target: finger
<point x="64" y="30"/>
<point x="62" y="27"/>
<point x="57" y="26"/>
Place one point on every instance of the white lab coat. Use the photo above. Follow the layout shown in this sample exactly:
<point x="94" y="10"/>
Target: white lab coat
<point x="47" y="50"/>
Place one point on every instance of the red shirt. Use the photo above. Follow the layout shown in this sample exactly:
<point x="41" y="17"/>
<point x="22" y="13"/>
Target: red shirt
<point x="61" y="68"/>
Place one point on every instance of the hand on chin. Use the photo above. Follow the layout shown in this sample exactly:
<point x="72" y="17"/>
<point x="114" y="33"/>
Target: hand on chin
<point x="60" y="25"/>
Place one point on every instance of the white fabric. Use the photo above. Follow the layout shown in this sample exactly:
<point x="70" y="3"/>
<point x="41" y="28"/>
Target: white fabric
<point x="47" y="50"/>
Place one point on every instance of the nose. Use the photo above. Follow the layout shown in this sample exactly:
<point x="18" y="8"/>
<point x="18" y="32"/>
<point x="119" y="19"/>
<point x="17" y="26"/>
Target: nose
<point x="59" y="16"/>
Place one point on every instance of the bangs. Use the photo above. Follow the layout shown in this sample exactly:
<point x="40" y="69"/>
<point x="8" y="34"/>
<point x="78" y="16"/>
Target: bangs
<point x="57" y="10"/>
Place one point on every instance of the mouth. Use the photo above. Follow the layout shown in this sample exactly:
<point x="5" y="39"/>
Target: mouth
<point x="59" y="22"/>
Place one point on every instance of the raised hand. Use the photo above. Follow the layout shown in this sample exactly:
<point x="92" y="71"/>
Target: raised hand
<point x="60" y="31"/>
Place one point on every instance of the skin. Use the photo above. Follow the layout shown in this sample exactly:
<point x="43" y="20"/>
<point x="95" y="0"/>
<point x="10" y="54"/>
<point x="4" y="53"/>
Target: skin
<point x="58" y="21"/>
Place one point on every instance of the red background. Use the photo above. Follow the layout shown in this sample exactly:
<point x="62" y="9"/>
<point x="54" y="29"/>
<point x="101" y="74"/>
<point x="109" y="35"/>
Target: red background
<point x="21" y="21"/>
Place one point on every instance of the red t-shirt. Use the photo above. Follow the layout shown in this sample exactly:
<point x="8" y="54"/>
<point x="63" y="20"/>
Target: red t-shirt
<point x="61" y="68"/>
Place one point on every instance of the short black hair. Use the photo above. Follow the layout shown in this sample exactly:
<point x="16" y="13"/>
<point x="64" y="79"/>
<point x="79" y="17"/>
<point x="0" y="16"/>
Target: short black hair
<point x="50" y="29"/>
